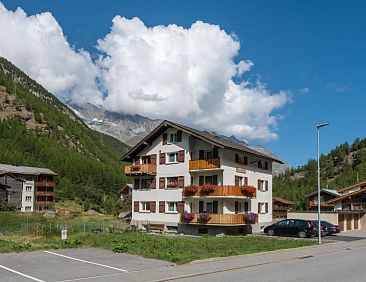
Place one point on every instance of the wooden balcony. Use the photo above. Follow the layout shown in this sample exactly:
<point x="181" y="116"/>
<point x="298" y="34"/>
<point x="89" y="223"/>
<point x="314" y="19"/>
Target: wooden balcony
<point x="143" y="169"/>
<point x="221" y="219"/>
<point x="204" y="164"/>
<point x="44" y="193"/>
<point x="220" y="191"/>
<point x="44" y="203"/>
<point x="45" y="183"/>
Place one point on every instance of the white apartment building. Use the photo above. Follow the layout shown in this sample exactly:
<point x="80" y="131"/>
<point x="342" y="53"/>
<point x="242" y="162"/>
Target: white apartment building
<point x="196" y="182"/>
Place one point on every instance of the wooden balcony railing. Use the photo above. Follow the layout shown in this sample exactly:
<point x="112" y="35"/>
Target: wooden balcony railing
<point x="44" y="203"/>
<point x="322" y="204"/>
<point x="44" y="193"/>
<point x="45" y="183"/>
<point x="221" y="219"/>
<point x="149" y="169"/>
<point x="204" y="164"/>
<point x="220" y="191"/>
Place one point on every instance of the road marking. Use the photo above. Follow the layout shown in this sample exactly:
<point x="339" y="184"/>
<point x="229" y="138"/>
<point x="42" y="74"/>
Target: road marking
<point x="21" y="274"/>
<point x="85" y="261"/>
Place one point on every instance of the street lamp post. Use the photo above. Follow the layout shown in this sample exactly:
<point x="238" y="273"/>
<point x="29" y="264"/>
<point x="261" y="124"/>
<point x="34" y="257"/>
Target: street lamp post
<point x="319" y="225"/>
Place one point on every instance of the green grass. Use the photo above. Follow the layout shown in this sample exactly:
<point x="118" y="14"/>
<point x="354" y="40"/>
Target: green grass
<point x="170" y="248"/>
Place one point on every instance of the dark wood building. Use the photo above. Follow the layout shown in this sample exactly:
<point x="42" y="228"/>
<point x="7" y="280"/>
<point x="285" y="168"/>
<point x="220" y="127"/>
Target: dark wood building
<point x="14" y="188"/>
<point x="281" y="207"/>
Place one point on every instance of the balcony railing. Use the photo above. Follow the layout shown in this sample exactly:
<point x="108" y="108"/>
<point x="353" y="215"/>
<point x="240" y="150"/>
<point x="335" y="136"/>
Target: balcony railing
<point x="220" y="191"/>
<point x="44" y="203"/>
<point x="204" y="164"/>
<point x="44" y="193"/>
<point x="142" y="169"/>
<point x="45" y="183"/>
<point x="220" y="219"/>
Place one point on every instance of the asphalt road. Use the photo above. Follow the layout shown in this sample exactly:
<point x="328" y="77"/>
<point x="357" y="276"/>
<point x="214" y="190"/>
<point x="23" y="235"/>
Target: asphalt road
<point x="340" y="261"/>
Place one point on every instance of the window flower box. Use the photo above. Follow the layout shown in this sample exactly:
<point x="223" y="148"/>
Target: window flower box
<point x="248" y="190"/>
<point x="207" y="189"/>
<point x="191" y="189"/>
<point x="187" y="217"/>
<point x="203" y="218"/>
<point x="250" y="218"/>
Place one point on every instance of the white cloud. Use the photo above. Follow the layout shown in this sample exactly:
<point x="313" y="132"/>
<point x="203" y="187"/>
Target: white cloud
<point x="188" y="75"/>
<point x="305" y="90"/>
<point x="37" y="45"/>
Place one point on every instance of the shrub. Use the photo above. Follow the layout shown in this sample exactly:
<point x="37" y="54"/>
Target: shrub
<point x="250" y="218"/>
<point x="121" y="248"/>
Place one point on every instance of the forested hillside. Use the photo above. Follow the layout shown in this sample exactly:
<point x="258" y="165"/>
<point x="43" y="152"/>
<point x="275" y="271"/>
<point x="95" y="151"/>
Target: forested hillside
<point x="341" y="167"/>
<point x="36" y="129"/>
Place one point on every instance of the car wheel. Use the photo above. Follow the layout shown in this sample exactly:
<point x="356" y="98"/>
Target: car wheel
<point x="270" y="232"/>
<point x="302" y="234"/>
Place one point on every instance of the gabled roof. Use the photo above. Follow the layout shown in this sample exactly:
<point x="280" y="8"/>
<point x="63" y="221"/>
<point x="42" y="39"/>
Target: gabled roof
<point x="27" y="170"/>
<point x="203" y="135"/>
<point x="284" y="201"/>
<point x="342" y="197"/>
<point x="11" y="175"/>
<point x="327" y="191"/>
<point x="359" y="184"/>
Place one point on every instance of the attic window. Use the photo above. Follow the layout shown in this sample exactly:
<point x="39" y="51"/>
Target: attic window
<point x="173" y="138"/>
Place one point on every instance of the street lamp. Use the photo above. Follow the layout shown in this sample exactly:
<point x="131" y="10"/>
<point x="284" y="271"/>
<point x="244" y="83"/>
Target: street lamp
<point x="319" y="225"/>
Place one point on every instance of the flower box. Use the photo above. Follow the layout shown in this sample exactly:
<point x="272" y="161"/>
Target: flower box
<point x="203" y="218"/>
<point x="207" y="189"/>
<point x="248" y="190"/>
<point x="187" y="217"/>
<point x="192" y="189"/>
<point x="250" y="218"/>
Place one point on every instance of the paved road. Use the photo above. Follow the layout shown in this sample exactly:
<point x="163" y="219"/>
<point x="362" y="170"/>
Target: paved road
<point x="340" y="261"/>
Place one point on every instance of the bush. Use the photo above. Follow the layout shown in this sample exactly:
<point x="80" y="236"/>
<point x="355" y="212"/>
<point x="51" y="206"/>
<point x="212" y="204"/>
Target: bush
<point x="121" y="248"/>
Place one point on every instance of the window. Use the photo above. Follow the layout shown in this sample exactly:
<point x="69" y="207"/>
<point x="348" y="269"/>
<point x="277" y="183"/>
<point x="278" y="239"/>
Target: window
<point x="172" y="182"/>
<point x="28" y="208"/>
<point x="209" y="207"/>
<point x="207" y="180"/>
<point x="173" y="138"/>
<point x="260" y="165"/>
<point x="146" y="159"/>
<point x="145" y="206"/>
<point x="261" y="207"/>
<point x="172" y="206"/>
<point x="28" y="198"/>
<point x="261" y="185"/>
<point x="29" y="178"/>
<point x="28" y="188"/>
<point x="145" y="183"/>
<point x="266" y="165"/>
<point x="241" y="159"/>
<point x="207" y="154"/>
<point x="238" y="207"/>
<point x="172" y="157"/>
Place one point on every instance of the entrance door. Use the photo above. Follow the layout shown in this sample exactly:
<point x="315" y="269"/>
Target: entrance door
<point x="349" y="221"/>
<point x="341" y="221"/>
<point x="356" y="221"/>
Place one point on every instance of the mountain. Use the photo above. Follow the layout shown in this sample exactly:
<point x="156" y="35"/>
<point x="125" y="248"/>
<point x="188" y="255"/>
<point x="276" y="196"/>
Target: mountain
<point x="36" y="129"/>
<point x="130" y="129"/>
<point x="343" y="166"/>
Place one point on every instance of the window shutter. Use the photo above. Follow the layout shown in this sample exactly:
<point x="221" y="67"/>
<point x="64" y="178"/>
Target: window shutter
<point x="214" y="179"/>
<point x="181" y="154"/>
<point x="200" y="207"/>
<point x="266" y="187"/>
<point x="259" y="208"/>
<point x="266" y="165"/>
<point x="161" y="207"/>
<point x="236" y="207"/>
<point x="181" y="181"/>
<point x="162" y="158"/>
<point x="236" y="180"/>
<point x="245" y="160"/>
<point x="201" y="154"/>
<point x="136" y="183"/>
<point x="266" y="207"/>
<point x="153" y="206"/>
<point x="165" y="138"/>
<point x="161" y="182"/>
<point x="215" y="206"/>
<point x="201" y="180"/>
<point x="236" y="158"/>
<point x="245" y="180"/>
<point x="259" y="185"/>
<point x="136" y="206"/>
<point x="181" y="206"/>
<point x="215" y="153"/>
<point x="153" y="183"/>
<point x="153" y="159"/>
<point x="179" y="136"/>
<point x="259" y="164"/>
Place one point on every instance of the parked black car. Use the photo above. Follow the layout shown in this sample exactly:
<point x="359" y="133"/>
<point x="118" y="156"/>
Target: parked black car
<point x="327" y="228"/>
<point x="292" y="227"/>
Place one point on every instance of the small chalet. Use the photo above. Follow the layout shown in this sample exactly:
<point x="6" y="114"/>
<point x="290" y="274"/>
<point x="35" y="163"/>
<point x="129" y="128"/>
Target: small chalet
<point x="281" y="207"/>
<point x="311" y="200"/>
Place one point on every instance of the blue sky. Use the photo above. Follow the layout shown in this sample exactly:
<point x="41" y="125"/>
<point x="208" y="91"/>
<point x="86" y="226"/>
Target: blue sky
<point x="314" y="50"/>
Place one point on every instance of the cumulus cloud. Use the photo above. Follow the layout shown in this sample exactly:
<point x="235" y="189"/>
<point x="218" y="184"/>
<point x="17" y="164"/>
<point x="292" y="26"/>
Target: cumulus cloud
<point x="190" y="75"/>
<point x="38" y="46"/>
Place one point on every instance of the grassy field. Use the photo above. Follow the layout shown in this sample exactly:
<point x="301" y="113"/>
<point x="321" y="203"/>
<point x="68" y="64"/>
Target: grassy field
<point x="103" y="232"/>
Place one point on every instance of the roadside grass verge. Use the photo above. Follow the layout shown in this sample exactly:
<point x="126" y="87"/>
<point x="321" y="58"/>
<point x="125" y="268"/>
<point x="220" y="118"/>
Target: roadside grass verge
<point x="177" y="249"/>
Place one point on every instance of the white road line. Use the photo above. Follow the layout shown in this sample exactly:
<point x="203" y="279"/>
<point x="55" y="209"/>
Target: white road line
<point x="21" y="274"/>
<point x="85" y="261"/>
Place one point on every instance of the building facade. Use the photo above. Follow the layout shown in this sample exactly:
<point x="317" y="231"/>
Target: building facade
<point x="195" y="182"/>
<point x="31" y="188"/>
